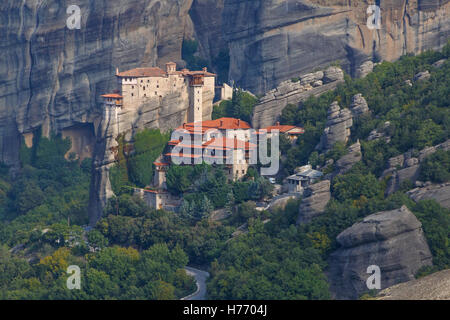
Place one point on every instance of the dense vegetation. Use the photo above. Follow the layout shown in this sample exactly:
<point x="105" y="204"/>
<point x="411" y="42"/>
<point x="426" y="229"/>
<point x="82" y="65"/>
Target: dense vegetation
<point x="135" y="252"/>
<point x="206" y="182"/>
<point x="135" y="161"/>
<point x="418" y="114"/>
<point x="48" y="190"/>
<point x="41" y="214"/>
<point x="240" y="106"/>
<point x="260" y="264"/>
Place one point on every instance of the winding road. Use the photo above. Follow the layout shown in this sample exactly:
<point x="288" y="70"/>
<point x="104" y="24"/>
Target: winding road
<point x="200" y="279"/>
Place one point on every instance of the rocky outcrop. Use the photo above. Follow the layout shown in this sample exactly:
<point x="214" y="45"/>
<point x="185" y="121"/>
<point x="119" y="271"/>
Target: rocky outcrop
<point x="271" y="41"/>
<point x="280" y="202"/>
<point x="406" y="167"/>
<point x="359" y="105"/>
<point x="52" y="77"/>
<point x="438" y="192"/>
<point x="364" y="69"/>
<point x="337" y="128"/>
<point x="271" y="105"/>
<point x="438" y="64"/>
<point x="435" y="286"/>
<point x="392" y="240"/>
<point x="346" y="162"/>
<point x="316" y="197"/>
<point x="382" y="133"/>
<point x="424" y="75"/>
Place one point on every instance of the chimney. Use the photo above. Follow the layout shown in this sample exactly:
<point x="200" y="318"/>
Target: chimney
<point x="117" y="71"/>
<point x="239" y="122"/>
<point x="221" y="123"/>
<point x="278" y="123"/>
<point x="205" y="69"/>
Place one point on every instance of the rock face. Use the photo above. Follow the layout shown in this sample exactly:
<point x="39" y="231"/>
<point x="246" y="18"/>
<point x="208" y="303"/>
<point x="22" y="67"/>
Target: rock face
<point x="405" y="167"/>
<point x="346" y="162"/>
<point x="207" y="15"/>
<point x="337" y="128"/>
<point x="364" y="69"/>
<point x="167" y="112"/>
<point x="392" y="240"/>
<point x="359" y="105"/>
<point x="313" y="204"/>
<point x="435" y="286"/>
<point x="438" y="192"/>
<point x="271" y="41"/>
<point x="270" y="107"/>
<point x="424" y="75"/>
<point x="52" y="77"/>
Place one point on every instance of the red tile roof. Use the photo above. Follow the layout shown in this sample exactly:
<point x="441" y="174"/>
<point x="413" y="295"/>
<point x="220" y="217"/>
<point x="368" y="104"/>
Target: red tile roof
<point x="222" y="123"/>
<point x="160" y="164"/>
<point x="112" y="95"/>
<point x="283" y="128"/>
<point x="227" y="143"/>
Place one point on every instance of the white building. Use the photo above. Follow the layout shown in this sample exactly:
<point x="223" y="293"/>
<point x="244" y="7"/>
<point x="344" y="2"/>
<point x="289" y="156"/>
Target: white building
<point x="138" y="86"/>
<point x="298" y="182"/>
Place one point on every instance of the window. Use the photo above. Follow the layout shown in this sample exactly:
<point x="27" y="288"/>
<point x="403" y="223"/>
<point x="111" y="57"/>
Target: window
<point x="243" y="171"/>
<point x="132" y="94"/>
<point x="132" y="87"/>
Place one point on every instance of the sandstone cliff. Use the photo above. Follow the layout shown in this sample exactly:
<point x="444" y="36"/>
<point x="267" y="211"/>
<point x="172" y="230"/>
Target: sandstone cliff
<point x="52" y="77"/>
<point x="272" y="40"/>
<point x="438" y="192"/>
<point x="435" y="286"/>
<point x="406" y="167"/>
<point x="392" y="240"/>
<point x="271" y="105"/>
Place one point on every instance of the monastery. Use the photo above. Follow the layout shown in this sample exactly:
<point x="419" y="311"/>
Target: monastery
<point x="224" y="141"/>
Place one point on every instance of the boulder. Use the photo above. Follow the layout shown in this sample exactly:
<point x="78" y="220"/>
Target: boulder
<point x="313" y="204"/>
<point x="337" y="128"/>
<point x="392" y="240"/>
<point x="439" y="64"/>
<point x="346" y="162"/>
<point x="438" y="192"/>
<point x="364" y="69"/>
<point x="333" y="74"/>
<point x="359" y="105"/>
<point x="424" y="75"/>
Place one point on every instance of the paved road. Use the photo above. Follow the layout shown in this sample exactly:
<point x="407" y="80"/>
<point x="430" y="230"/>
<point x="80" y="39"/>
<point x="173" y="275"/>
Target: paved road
<point x="200" y="278"/>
